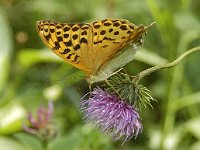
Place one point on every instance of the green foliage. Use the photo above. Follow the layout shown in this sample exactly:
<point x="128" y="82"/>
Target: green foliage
<point x="30" y="74"/>
<point x="123" y="85"/>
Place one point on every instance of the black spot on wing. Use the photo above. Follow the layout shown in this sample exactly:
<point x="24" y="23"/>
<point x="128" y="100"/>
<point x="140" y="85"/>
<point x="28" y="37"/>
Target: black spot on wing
<point x="76" y="47"/>
<point x="47" y="37"/>
<point x="84" y="33"/>
<point x="66" y="29"/>
<point x="107" y="24"/>
<point x="76" y="59"/>
<point x="66" y="35"/>
<point x="97" y="26"/>
<point x="66" y="51"/>
<point x="102" y="32"/>
<point x="110" y="30"/>
<point x="69" y="56"/>
<point x="83" y="40"/>
<point x="116" y="24"/>
<point x="75" y="28"/>
<point x="84" y="28"/>
<point x="123" y="27"/>
<point x="116" y="32"/>
<point x="59" y="38"/>
<point x="57" y="45"/>
<point x="69" y="43"/>
<point x="52" y="30"/>
<point x="75" y="36"/>
<point x="58" y="33"/>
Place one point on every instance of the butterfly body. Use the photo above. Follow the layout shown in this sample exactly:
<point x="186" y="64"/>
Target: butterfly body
<point x="97" y="48"/>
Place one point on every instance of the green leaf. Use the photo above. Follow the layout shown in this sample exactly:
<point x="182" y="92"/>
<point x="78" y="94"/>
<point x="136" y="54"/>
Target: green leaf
<point x="28" y="57"/>
<point x="190" y="22"/>
<point x="10" y="144"/>
<point x="195" y="146"/>
<point x="186" y="101"/>
<point x="11" y="118"/>
<point x="81" y="138"/>
<point x="193" y="127"/>
<point x="6" y="47"/>
<point x="149" y="57"/>
<point x="30" y="142"/>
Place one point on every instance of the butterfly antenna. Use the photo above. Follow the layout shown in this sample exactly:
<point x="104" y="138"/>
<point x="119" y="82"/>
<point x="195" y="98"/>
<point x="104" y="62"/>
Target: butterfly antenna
<point x="149" y="26"/>
<point x="65" y="78"/>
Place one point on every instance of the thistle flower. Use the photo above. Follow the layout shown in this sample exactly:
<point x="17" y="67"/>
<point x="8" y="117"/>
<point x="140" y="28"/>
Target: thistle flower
<point x="111" y="115"/>
<point x="41" y="124"/>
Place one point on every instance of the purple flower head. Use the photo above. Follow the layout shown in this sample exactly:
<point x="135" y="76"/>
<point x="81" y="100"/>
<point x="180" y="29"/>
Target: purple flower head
<point x="111" y="115"/>
<point x="41" y="121"/>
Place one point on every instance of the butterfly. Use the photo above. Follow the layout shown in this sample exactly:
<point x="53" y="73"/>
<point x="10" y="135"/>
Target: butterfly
<point x="97" y="48"/>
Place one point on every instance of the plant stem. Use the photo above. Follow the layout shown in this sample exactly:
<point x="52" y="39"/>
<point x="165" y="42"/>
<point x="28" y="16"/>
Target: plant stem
<point x="148" y="71"/>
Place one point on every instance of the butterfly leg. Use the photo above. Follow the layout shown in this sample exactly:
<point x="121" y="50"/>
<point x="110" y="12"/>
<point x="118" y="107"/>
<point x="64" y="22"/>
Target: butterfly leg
<point x="90" y="87"/>
<point x="118" y="71"/>
<point x="112" y="87"/>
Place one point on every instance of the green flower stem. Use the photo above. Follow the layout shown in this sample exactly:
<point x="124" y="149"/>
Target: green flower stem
<point x="148" y="71"/>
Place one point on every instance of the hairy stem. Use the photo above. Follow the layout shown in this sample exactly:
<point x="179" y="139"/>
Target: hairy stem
<point x="148" y="71"/>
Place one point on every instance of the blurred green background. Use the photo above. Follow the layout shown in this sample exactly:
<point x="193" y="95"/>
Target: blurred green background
<point x="31" y="74"/>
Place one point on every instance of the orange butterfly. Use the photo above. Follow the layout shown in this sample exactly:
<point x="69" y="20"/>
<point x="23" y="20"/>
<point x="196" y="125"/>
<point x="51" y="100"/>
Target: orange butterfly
<point x="97" y="48"/>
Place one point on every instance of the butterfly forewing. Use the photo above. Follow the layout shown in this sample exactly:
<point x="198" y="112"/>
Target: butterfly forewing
<point x="65" y="41"/>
